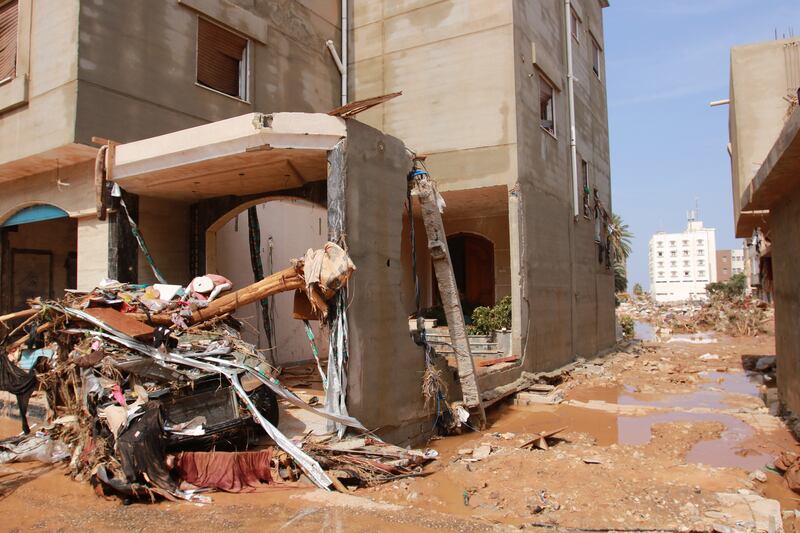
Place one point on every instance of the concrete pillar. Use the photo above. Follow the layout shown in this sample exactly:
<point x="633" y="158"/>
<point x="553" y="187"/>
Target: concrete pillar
<point x="92" y="252"/>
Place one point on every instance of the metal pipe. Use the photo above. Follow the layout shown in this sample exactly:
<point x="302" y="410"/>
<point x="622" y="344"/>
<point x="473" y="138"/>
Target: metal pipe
<point x="344" y="58"/>
<point x="574" y="168"/>
<point x="336" y="59"/>
<point x="341" y="61"/>
<point x="571" y="99"/>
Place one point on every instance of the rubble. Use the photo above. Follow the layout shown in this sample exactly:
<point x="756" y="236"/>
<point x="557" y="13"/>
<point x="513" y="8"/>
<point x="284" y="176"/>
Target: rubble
<point x="735" y="316"/>
<point x="143" y="391"/>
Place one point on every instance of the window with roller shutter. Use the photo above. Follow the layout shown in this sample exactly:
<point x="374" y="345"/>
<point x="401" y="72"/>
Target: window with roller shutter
<point x="9" y="14"/>
<point x="221" y="59"/>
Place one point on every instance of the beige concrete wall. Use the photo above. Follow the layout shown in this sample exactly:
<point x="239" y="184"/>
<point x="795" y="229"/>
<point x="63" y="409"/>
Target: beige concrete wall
<point x="92" y="252"/>
<point x="294" y="226"/>
<point x="137" y="74"/>
<point x="165" y="227"/>
<point x="75" y="195"/>
<point x="759" y="83"/>
<point x="50" y="62"/>
<point x="454" y="62"/>
<point x="785" y="257"/>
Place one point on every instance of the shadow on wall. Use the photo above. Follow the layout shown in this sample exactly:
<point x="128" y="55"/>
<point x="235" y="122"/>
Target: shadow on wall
<point x="289" y="227"/>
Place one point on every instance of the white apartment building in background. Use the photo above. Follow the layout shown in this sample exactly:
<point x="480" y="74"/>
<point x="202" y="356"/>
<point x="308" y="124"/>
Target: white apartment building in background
<point x="737" y="261"/>
<point x="682" y="264"/>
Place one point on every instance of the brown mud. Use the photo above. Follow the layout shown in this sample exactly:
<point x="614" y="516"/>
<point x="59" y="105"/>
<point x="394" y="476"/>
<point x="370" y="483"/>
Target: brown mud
<point x="650" y="438"/>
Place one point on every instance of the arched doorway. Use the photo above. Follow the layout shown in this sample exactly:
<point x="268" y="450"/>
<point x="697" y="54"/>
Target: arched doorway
<point x="39" y="246"/>
<point x="473" y="265"/>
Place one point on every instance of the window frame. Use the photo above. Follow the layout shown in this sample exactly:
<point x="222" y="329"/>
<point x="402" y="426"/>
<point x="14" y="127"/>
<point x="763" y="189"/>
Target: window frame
<point x="544" y="82"/>
<point x="245" y="63"/>
<point x="13" y="76"/>
<point x="14" y="89"/>
<point x="575" y="24"/>
<point x="597" y="58"/>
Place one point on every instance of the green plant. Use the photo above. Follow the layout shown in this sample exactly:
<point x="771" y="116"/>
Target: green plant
<point x="735" y="287"/>
<point x="627" y="324"/>
<point x="637" y="289"/>
<point x="486" y="320"/>
<point x="620" y="239"/>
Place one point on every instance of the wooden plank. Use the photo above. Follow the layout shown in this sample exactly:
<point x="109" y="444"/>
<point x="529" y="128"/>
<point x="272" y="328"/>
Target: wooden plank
<point x="122" y="322"/>
<point x="489" y="362"/>
<point x="354" y="108"/>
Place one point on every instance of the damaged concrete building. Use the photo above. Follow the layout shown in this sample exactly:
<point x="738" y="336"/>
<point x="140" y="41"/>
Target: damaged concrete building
<point x="764" y="128"/>
<point x="211" y="108"/>
<point x="508" y="102"/>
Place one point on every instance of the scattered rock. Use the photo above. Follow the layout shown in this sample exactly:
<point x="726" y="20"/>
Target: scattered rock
<point x="709" y="357"/>
<point x="481" y="452"/>
<point x="758" y="475"/>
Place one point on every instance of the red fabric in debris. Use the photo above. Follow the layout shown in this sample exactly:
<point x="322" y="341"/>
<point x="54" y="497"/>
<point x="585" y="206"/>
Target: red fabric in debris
<point x="227" y="471"/>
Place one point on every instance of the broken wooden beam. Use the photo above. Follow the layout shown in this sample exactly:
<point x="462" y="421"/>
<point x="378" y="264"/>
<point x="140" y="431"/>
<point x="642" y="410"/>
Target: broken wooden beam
<point x="18" y="314"/>
<point x="443" y="268"/>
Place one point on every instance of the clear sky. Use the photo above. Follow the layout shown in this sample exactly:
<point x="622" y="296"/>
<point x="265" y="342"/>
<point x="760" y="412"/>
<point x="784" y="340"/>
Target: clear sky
<point x="665" y="61"/>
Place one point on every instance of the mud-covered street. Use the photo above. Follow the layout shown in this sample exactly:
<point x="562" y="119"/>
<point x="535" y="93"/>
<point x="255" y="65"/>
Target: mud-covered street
<point x="662" y="436"/>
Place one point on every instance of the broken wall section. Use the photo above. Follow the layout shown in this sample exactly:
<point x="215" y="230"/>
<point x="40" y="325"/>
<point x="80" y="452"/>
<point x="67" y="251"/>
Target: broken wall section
<point x="385" y="368"/>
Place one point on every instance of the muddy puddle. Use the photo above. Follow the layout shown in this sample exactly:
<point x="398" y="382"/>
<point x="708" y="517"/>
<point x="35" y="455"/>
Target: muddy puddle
<point x="644" y="331"/>
<point x="717" y="393"/>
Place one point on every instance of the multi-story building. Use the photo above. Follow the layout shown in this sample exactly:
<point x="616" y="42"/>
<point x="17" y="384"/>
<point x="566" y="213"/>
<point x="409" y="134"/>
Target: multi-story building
<point x="729" y="263"/>
<point x="507" y="101"/>
<point x="682" y="264"/>
<point x="764" y="128"/>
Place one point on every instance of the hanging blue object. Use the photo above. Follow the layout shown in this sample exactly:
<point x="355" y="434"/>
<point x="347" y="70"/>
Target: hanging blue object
<point x="34" y="213"/>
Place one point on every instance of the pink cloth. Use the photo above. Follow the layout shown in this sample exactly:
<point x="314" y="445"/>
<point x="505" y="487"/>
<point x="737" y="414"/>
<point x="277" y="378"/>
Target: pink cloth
<point x="116" y="392"/>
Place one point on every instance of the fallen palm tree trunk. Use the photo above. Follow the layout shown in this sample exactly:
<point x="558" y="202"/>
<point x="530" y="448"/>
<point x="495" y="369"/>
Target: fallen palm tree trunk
<point x="288" y="279"/>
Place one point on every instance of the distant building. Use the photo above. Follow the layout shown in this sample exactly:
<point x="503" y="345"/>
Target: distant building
<point x="729" y="263"/>
<point x="682" y="264"/>
<point x="764" y="126"/>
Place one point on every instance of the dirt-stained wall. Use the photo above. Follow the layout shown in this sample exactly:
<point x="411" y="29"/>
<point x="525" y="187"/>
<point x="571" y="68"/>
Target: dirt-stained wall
<point x="469" y="72"/>
<point x="762" y="76"/>
<point x="137" y="67"/>
<point x="785" y="257"/>
<point x="385" y="372"/>
<point x="567" y="293"/>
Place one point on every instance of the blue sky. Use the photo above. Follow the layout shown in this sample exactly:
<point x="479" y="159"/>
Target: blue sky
<point x="665" y="61"/>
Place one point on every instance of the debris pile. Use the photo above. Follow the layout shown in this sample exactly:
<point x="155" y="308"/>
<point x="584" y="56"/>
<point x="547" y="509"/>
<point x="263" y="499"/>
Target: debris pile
<point x="142" y="383"/>
<point x="740" y="316"/>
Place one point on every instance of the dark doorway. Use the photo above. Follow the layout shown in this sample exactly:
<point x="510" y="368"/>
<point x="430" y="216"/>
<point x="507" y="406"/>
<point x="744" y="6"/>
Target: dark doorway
<point x="473" y="266"/>
<point x="39" y="258"/>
